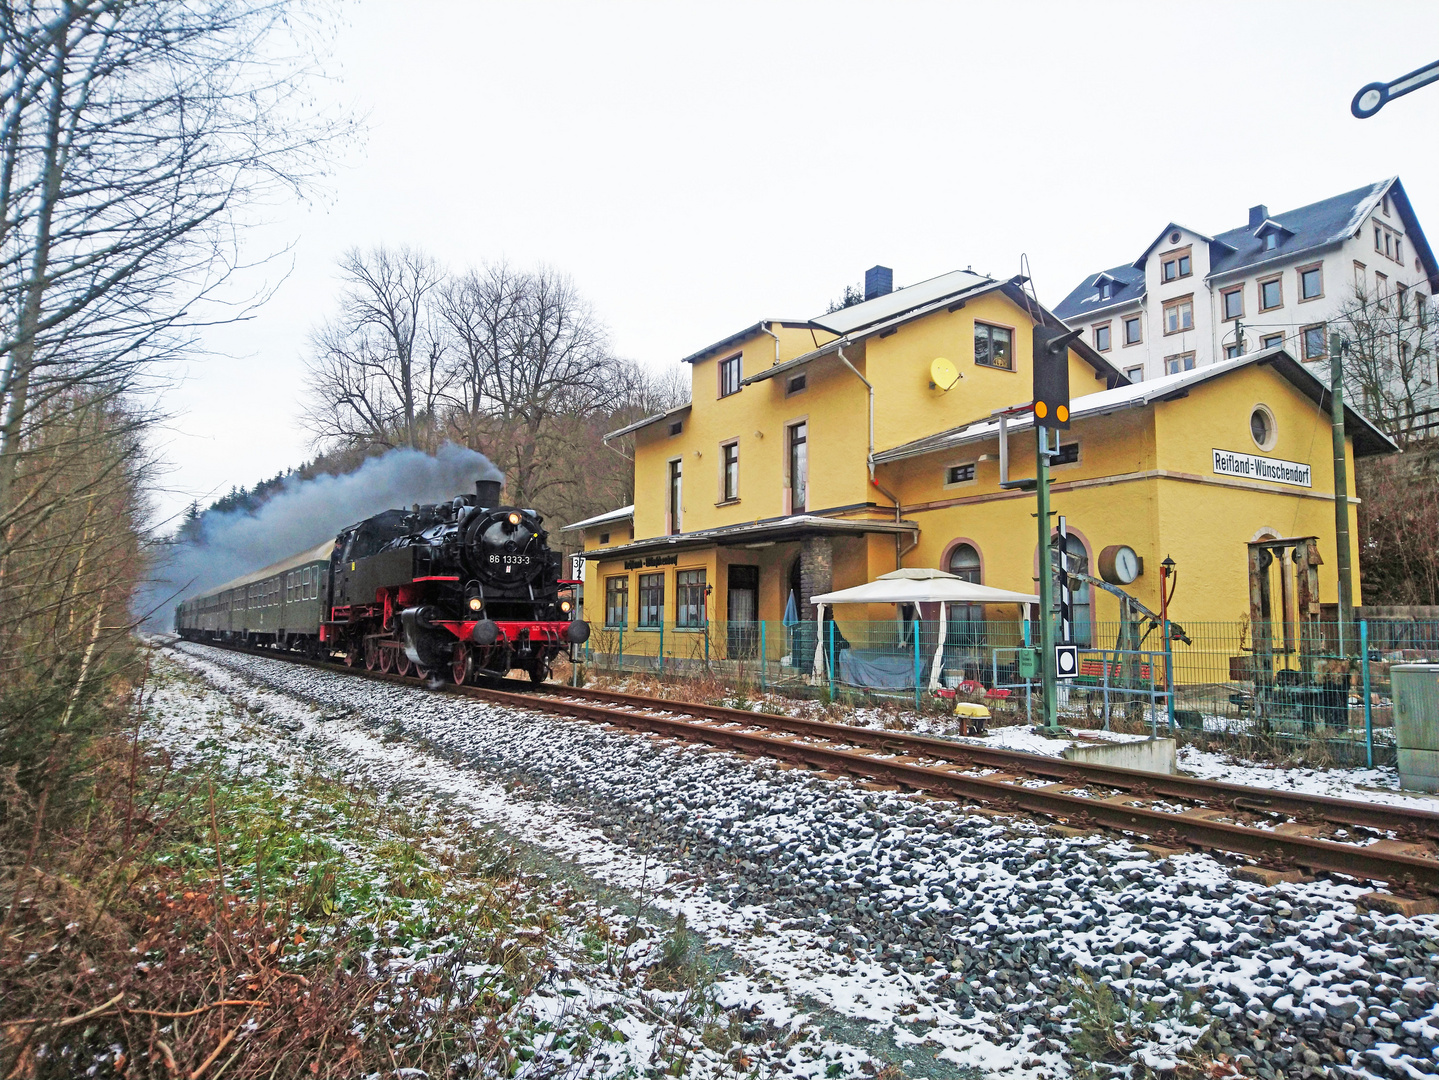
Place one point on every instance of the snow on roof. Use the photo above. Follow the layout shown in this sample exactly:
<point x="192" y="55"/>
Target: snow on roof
<point x="622" y="514"/>
<point x="847" y="320"/>
<point x="1135" y="395"/>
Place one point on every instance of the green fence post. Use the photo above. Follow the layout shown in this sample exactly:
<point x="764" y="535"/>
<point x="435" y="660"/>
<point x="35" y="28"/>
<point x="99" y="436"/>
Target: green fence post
<point x="763" y="687"/>
<point x="831" y="660"/>
<point x="917" y="625"/>
<point x="620" y="660"/>
<point x="662" y="646"/>
<point x="1368" y="707"/>
<point x="1169" y="676"/>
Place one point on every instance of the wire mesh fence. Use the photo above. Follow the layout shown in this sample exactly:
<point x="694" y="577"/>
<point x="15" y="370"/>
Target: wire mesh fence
<point x="1320" y="688"/>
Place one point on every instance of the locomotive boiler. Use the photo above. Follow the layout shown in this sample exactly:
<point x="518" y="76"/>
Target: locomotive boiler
<point x="468" y="585"/>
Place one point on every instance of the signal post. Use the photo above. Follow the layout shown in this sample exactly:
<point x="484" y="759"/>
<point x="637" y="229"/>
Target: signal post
<point x="1051" y="413"/>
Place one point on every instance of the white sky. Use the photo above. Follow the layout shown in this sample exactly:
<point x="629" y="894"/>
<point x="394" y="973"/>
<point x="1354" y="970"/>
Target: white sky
<point x="698" y="167"/>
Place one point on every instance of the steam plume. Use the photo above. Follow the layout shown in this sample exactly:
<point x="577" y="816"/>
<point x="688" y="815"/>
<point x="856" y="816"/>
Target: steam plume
<point x="306" y="512"/>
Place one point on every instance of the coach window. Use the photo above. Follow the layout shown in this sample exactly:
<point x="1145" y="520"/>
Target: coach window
<point x="617" y="600"/>
<point x="652" y="600"/>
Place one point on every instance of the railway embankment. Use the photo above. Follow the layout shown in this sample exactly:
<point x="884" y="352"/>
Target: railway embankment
<point x="942" y="938"/>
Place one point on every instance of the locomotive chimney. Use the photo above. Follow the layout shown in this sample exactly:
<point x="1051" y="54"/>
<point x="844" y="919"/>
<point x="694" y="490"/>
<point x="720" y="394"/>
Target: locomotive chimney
<point x="487" y="493"/>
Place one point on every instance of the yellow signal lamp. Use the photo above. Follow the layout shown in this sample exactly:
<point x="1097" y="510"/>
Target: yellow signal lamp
<point x="943" y="375"/>
<point x="565" y="606"/>
<point x="514" y="518"/>
<point x="476" y="603"/>
<point x="1041" y="409"/>
<point x="1061" y="413"/>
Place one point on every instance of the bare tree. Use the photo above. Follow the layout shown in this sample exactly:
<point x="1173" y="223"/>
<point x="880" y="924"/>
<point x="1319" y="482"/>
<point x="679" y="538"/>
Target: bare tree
<point x="378" y="369"/>
<point x="131" y="137"/>
<point x="1389" y="358"/>
<point x="534" y="361"/>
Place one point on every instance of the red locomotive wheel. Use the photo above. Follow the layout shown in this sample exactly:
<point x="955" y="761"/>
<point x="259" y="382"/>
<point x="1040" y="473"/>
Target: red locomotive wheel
<point x="402" y="662"/>
<point x="373" y="654"/>
<point x="461" y="665"/>
<point x="387" y="659"/>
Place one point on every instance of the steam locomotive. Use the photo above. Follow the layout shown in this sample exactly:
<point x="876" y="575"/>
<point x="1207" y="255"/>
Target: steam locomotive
<point x="469" y="587"/>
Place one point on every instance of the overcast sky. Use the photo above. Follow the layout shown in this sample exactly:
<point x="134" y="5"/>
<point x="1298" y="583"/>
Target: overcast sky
<point x="696" y="167"/>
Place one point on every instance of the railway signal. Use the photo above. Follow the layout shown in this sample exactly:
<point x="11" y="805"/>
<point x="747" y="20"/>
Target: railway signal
<point x="1051" y="375"/>
<point x="1066" y="661"/>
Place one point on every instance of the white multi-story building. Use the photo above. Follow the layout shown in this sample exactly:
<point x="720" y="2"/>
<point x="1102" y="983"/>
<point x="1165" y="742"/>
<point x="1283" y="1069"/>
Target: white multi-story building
<point x="1282" y="279"/>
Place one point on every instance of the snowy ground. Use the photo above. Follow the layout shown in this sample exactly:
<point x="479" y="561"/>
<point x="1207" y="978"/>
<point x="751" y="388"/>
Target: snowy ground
<point x="897" y="928"/>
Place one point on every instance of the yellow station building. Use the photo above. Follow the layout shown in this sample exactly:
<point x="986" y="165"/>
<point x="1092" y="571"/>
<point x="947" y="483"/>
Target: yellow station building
<point x="816" y="455"/>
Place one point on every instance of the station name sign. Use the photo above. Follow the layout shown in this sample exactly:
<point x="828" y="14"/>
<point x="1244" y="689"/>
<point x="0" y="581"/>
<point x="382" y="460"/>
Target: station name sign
<point x="651" y="560"/>
<point x="1255" y="467"/>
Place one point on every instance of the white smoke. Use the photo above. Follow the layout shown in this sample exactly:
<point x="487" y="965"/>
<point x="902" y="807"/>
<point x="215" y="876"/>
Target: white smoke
<point x="304" y="513"/>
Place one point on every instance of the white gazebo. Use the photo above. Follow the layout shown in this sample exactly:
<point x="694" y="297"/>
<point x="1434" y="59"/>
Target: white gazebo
<point x="916" y="586"/>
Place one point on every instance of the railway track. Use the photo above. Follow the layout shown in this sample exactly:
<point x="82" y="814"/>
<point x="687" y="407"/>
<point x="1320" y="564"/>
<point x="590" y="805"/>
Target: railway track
<point x="1282" y="831"/>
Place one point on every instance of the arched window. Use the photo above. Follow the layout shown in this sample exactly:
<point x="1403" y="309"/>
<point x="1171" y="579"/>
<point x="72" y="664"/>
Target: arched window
<point x="966" y="621"/>
<point x="1081" y="605"/>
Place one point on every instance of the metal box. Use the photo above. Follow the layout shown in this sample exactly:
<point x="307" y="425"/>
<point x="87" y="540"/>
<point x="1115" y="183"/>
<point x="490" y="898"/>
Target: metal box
<point x="1027" y="663"/>
<point x="1416" y="724"/>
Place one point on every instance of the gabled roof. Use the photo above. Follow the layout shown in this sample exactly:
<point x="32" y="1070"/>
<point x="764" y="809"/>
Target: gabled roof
<point x="1084" y="301"/>
<point x="885" y="308"/>
<point x="624" y="513"/>
<point x="1368" y="439"/>
<point x="739" y="336"/>
<point x="1163" y="234"/>
<point x="646" y="422"/>
<point x="909" y="312"/>
<point x="1311" y="229"/>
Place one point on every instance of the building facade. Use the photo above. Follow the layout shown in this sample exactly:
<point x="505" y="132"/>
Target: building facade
<point x="816" y="456"/>
<point x="1279" y="281"/>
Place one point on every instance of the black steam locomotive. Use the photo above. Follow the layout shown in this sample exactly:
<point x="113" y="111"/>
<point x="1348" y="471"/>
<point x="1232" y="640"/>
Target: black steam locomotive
<point x="466" y="586"/>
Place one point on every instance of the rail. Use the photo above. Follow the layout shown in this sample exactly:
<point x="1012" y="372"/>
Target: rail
<point x="1268" y="826"/>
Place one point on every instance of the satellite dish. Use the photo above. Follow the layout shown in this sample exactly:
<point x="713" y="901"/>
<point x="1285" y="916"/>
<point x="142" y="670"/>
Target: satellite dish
<point x="942" y="373"/>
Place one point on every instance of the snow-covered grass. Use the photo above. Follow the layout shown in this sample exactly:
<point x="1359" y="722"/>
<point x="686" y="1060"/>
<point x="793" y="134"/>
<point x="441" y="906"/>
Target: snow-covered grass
<point x="553" y="972"/>
<point x="932" y="934"/>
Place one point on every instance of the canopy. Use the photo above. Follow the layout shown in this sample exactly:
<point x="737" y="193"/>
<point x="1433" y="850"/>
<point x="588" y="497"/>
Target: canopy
<point x="915" y="586"/>
<point x="923" y="586"/>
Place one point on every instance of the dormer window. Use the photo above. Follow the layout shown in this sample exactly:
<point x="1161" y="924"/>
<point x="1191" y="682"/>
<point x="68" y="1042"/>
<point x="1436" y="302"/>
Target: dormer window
<point x="1271" y="235"/>
<point x="1104" y="290"/>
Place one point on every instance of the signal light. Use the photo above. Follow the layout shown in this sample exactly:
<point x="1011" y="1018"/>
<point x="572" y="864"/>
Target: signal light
<point x="1050" y="356"/>
<point x="565" y="606"/>
<point x="514" y="519"/>
<point x="476" y="603"/>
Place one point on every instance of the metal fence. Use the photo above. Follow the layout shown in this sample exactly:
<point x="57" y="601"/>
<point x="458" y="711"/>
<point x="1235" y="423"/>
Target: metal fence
<point x="1296" y="685"/>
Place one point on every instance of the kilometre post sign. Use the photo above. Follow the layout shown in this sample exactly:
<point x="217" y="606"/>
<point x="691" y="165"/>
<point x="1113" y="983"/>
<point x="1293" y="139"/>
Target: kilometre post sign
<point x="1257" y="467"/>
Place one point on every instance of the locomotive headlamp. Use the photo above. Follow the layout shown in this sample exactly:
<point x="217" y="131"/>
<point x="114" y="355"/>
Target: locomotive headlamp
<point x="476" y="603"/>
<point x="514" y="519"/>
<point x="565" y="606"/>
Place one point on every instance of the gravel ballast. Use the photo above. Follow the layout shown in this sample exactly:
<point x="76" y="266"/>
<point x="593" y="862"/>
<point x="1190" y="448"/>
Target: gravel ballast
<point x="982" y="943"/>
